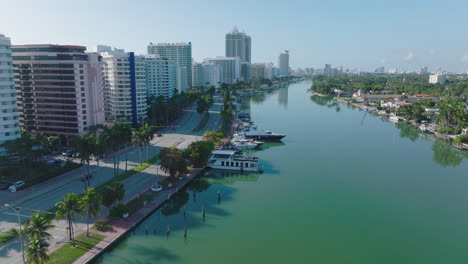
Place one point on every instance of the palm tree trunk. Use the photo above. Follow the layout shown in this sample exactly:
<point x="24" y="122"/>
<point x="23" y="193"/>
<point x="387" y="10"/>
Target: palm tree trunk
<point x="147" y="153"/>
<point x="87" y="226"/>
<point x="126" y="161"/>
<point x="141" y="162"/>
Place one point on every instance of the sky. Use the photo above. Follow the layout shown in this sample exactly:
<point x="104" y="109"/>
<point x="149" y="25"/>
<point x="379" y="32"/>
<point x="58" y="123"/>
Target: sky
<point x="354" y="34"/>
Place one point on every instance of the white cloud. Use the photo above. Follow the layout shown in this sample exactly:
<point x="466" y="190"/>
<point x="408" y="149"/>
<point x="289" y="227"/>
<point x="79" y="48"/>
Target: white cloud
<point x="409" y="57"/>
<point x="464" y="58"/>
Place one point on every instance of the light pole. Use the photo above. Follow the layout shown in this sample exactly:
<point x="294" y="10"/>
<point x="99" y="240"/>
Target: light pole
<point x="17" y="208"/>
<point x="157" y="171"/>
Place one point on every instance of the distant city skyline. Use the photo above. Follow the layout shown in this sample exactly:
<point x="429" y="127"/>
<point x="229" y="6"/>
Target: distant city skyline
<point x="367" y="35"/>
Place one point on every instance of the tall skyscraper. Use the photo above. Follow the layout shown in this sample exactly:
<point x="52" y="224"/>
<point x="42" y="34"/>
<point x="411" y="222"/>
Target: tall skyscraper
<point x="181" y="54"/>
<point x="327" y="70"/>
<point x="9" y="125"/>
<point x="283" y="63"/>
<point x="161" y="77"/>
<point x="59" y="89"/>
<point x="125" y="82"/>
<point x="207" y="74"/>
<point x="231" y="68"/>
<point x="238" y="44"/>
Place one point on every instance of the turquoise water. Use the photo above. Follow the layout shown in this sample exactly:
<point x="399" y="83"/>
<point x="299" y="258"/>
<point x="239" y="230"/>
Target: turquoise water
<point x="343" y="187"/>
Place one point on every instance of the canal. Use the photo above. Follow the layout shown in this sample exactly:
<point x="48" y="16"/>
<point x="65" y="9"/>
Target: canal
<point x="343" y="187"/>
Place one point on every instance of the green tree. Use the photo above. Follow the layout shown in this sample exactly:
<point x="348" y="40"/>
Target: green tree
<point x="37" y="226"/>
<point x="139" y="139"/>
<point x="69" y="207"/>
<point x="172" y="162"/>
<point x="213" y="137"/>
<point x="113" y="193"/>
<point x="198" y="153"/>
<point x="91" y="203"/>
<point x="36" y="251"/>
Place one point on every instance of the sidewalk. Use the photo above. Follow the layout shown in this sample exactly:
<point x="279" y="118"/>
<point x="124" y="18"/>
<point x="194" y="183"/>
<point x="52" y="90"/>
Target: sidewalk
<point x="124" y="225"/>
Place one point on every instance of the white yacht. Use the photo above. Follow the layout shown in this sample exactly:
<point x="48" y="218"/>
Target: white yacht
<point x="243" y="144"/>
<point x="233" y="160"/>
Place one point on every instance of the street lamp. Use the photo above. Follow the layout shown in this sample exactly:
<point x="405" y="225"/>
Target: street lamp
<point x="17" y="208"/>
<point x="20" y="231"/>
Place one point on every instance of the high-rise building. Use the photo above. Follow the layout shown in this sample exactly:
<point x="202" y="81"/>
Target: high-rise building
<point x="207" y="74"/>
<point x="245" y="71"/>
<point x="161" y="77"/>
<point x="9" y="124"/>
<point x="125" y="86"/>
<point x="424" y="70"/>
<point x="283" y="63"/>
<point x="182" y="75"/>
<point x="257" y="70"/>
<point x="231" y="67"/>
<point x="238" y="44"/>
<point x="181" y="54"/>
<point x="380" y="70"/>
<point x="327" y="70"/>
<point x="59" y="89"/>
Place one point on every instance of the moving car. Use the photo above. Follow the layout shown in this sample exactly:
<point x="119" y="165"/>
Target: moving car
<point x="16" y="185"/>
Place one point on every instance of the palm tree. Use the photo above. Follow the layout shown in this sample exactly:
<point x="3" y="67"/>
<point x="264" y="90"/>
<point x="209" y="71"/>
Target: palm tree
<point x="91" y="203"/>
<point x="36" y="227"/>
<point x="139" y="139"/>
<point x="148" y="133"/>
<point x="36" y="251"/>
<point x="68" y="208"/>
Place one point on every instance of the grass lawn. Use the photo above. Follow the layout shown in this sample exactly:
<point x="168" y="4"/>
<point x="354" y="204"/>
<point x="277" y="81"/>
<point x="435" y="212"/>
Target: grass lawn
<point x="66" y="254"/>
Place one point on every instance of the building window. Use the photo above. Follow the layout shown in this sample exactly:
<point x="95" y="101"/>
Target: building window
<point x="232" y="163"/>
<point x="237" y="164"/>
<point x="222" y="163"/>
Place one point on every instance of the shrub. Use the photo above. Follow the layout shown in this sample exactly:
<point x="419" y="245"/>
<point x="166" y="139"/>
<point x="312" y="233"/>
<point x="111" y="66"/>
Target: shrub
<point x="118" y="210"/>
<point x="102" y="225"/>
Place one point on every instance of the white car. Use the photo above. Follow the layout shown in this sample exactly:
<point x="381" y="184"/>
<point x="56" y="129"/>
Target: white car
<point x="16" y="185"/>
<point x="156" y="188"/>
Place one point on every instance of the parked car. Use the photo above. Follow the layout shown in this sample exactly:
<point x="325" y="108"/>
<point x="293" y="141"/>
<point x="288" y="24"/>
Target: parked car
<point x="15" y="186"/>
<point x="4" y="185"/>
<point x="159" y="135"/>
<point x="68" y="153"/>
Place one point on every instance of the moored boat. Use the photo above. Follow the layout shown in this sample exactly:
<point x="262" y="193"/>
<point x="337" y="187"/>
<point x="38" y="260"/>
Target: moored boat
<point x="263" y="135"/>
<point x="233" y="160"/>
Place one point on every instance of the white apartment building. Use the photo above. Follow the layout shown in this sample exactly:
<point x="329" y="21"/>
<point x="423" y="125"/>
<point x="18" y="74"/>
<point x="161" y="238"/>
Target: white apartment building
<point x="161" y="77"/>
<point x="231" y="68"/>
<point x="9" y="124"/>
<point x="283" y="63"/>
<point x="125" y="86"/>
<point x="206" y="75"/>
<point x="257" y="70"/>
<point x="271" y="71"/>
<point x="437" y="78"/>
<point x="182" y="75"/>
<point x="181" y="54"/>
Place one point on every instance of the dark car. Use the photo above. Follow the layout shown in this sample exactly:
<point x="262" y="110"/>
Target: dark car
<point x="4" y="185"/>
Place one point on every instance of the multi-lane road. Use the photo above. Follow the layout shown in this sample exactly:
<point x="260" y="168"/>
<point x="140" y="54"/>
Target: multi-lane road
<point x="45" y="195"/>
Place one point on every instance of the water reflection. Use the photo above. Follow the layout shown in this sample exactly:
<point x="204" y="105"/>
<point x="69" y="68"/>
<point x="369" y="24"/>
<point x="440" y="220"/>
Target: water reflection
<point x="326" y="101"/>
<point x="447" y="156"/>
<point x="407" y="131"/>
<point x="229" y="177"/>
<point x="283" y="97"/>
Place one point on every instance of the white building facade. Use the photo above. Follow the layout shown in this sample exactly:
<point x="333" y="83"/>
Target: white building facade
<point x="231" y="68"/>
<point x="207" y="74"/>
<point x="125" y="86"/>
<point x="179" y="53"/>
<point x="161" y="77"/>
<point x="437" y="78"/>
<point x="238" y="44"/>
<point x="9" y="124"/>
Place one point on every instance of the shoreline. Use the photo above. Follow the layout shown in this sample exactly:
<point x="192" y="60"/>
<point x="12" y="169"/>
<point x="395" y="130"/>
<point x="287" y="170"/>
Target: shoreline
<point x="462" y="146"/>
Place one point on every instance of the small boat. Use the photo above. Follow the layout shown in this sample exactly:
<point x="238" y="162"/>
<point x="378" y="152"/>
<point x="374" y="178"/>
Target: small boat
<point x="263" y="135"/>
<point x="233" y="160"/>
<point x="394" y="118"/>
<point x="244" y="144"/>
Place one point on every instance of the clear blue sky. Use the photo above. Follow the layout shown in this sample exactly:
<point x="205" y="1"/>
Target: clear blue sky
<point x="366" y="34"/>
